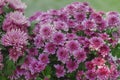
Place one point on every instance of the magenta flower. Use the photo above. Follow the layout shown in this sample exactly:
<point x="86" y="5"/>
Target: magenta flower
<point x="90" y="65"/>
<point x="113" y="20"/>
<point x="71" y="66"/>
<point x="16" y="38"/>
<point x="27" y="62"/>
<point x="80" y="17"/>
<point x="89" y="24"/>
<point x="96" y="42"/>
<point x="80" y="55"/>
<point x="91" y="75"/>
<point x="15" y="20"/>
<point x="60" y="71"/>
<point x="14" y="54"/>
<point x="104" y="50"/>
<point x="71" y="36"/>
<point x="46" y="31"/>
<point x="39" y="67"/>
<point x="63" y="55"/>
<point x="72" y="45"/>
<point x="96" y="17"/>
<point x="99" y="61"/>
<point x="59" y="38"/>
<point x="2" y="3"/>
<point x="103" y="73"/>
<point x="79" y="75"/>
<point x="38" y="41"/>
<point x="43" y="58"/>
<point x="102" y="25"/>
<point x="59" y="25"/>
<point x="33" y="52"/>
<point x="50" y="48"/>
<point x="17" y="4"/>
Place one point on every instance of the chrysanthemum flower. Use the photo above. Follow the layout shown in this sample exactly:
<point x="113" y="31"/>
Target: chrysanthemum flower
<point x="16" y="38"/>
<point x="71" y="66"/>
<point x="96" y="43"/>
<point x="80" y="55"/>
<point x="16" y="4"/>
<point x="50" y="48"/>
<point x="58" y="38"/>
<point x="60" y="71"/>
<point x="43" y="58"/>
<point x="63" y="55"/>
<point x="15" y="20"/>
<point x="72" y="45"/>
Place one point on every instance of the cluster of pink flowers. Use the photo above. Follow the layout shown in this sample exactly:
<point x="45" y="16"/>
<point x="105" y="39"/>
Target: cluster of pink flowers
<point x="73" y="43"/>
<point x="15" y="27"/>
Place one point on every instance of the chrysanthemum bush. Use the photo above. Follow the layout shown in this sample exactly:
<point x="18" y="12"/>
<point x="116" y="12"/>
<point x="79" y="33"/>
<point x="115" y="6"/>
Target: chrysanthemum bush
<point x="73" y="43"/>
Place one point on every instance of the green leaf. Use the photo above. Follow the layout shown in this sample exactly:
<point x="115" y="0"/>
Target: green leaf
<point x="9" y="67"/>
<point x="3" y="78"/>
<point x="30" y="29"/>
<point x="116" y="51"/>
<point x="80" y="33"/>
<point x="48" y="71"/>
<point x="38" y="78"/>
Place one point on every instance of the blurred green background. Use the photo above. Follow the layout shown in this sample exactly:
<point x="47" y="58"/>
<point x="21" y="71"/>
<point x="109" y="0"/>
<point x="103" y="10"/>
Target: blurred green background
<point x="44" y="5"/>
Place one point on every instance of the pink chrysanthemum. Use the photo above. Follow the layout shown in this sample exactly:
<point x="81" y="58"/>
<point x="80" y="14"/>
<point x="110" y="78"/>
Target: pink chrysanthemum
<point x="96" y="42"/>
<point x="89" y="24"/>
<point x="2" y="3"/>
<point x="58" y="38"/>
<point x="16" y="38"/>
<point x="43" y="58"/>
<point x="33" y="52"/>
<point x="90" y="65"/>
<point x="79" y="75"/>
<point x="104" y="50"/>
<point x="80" y="17"/>
<point x="50" y="48"/>
<point x="103" y="73"/>
<point x="80" y="55"/>
<point x="71" y="66"/>
<point x="38" y="41"/>
<point x="63" y="55"/>
<point x="99" y="61"/>
<point x="91" y="75"/>
<point x="46" y="31"/>
<point x="15" y="20"/>
<point x="59" y="25"/>
<point x="60" y="71"/>
<point x="72" y="45"/>
<point x="17" y="4"/>
<point x="71" y="36"/>
<point x="14" y="54"/>
<point x="113" y="20"/>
